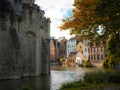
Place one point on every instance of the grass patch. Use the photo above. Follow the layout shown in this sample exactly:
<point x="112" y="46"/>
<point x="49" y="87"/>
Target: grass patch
<point x="91" y="87"/>
<point x="95" y="80"/>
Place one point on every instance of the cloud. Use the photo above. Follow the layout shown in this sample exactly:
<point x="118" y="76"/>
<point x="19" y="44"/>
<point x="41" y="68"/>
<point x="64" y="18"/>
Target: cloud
<point x="56" y="10"/>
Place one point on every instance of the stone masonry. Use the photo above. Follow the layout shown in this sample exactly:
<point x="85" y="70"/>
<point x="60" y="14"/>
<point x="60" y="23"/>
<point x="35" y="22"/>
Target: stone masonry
<point x="24" y="39"/>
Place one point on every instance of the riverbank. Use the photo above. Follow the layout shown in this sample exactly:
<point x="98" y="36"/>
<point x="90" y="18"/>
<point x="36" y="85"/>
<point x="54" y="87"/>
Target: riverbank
<point x="84" y="86"/>
<point x="108" y="80"/>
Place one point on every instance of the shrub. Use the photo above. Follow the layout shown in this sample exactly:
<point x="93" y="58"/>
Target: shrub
<point x="102" y="77"/>
<point x="113" y="53"/>
<point x="105" y="63"/>
<point x="95" y="79"/>
<point x="111" y="61"/>
<point x="87" y="64"/>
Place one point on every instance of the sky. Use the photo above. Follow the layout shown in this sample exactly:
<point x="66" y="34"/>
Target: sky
<point x="56" y="10"/>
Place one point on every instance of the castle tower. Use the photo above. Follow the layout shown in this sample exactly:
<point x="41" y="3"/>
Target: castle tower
<point x="24" y="39"/>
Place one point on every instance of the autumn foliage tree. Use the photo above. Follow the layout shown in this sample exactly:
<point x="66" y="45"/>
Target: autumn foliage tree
<point x="100" y="18"/>
<point x="90" y="15"/>
<point x="84" y="17"/>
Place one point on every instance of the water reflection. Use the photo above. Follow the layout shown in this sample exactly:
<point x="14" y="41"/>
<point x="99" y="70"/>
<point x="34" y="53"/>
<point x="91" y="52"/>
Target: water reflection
<point x="36" y="83"/>
<point x="59" y="75"/>
<point x="43" y="82"/>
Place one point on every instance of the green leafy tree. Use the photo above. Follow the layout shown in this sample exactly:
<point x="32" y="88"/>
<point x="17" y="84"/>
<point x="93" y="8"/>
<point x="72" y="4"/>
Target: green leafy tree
<point x="113" y="52"/>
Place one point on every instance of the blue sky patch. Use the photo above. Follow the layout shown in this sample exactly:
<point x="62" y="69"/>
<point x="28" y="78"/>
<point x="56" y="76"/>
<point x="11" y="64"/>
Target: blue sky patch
<point x="68" y="13"/>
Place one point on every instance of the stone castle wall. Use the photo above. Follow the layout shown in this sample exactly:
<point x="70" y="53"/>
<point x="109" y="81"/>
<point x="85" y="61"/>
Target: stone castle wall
<point x="24" y="40"/>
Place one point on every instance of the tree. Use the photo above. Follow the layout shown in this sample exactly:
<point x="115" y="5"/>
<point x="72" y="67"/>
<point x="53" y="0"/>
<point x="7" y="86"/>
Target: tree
<point x="100" y="19"/>
<point x="109" y="13"/>
<point x="90" y="15"/>
<point x="113" y="53"/>
<point x="83" y="18"/>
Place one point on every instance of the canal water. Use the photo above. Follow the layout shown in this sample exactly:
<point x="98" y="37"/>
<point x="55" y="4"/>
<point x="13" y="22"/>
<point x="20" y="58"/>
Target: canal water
<point x="58" y="76"/>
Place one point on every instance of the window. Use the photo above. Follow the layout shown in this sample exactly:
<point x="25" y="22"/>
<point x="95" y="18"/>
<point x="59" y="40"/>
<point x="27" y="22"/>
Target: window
<point x="94" y="50"/>
<point x="101" y="49"/>
<point x="91" y="57"/>
<point x="85" y="49"/>
<point x="98" y="57"/>
<point x="94" y="58"/>
<point x="101" y="57"/>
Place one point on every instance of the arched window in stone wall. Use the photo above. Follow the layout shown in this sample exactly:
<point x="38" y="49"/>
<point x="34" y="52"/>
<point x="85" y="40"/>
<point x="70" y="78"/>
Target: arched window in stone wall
<point x="30" y="52"/>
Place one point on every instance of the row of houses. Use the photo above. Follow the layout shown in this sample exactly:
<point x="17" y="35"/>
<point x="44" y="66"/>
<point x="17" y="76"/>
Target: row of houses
<point x="76" y="50"/>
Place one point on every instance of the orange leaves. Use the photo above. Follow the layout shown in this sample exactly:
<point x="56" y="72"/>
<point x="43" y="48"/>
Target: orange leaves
<point x="89" y="14"/>
<point x="83" y="16"/>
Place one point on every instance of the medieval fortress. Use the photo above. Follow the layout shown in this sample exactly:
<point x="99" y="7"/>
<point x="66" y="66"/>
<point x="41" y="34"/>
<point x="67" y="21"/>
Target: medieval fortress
<point x="24" y="39"/>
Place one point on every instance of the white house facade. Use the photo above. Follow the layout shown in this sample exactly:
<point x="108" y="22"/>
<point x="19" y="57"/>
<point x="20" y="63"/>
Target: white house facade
<point x="79" y="58"/>
<point x="86" y="53"/>
<point x="71" y="46"/>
